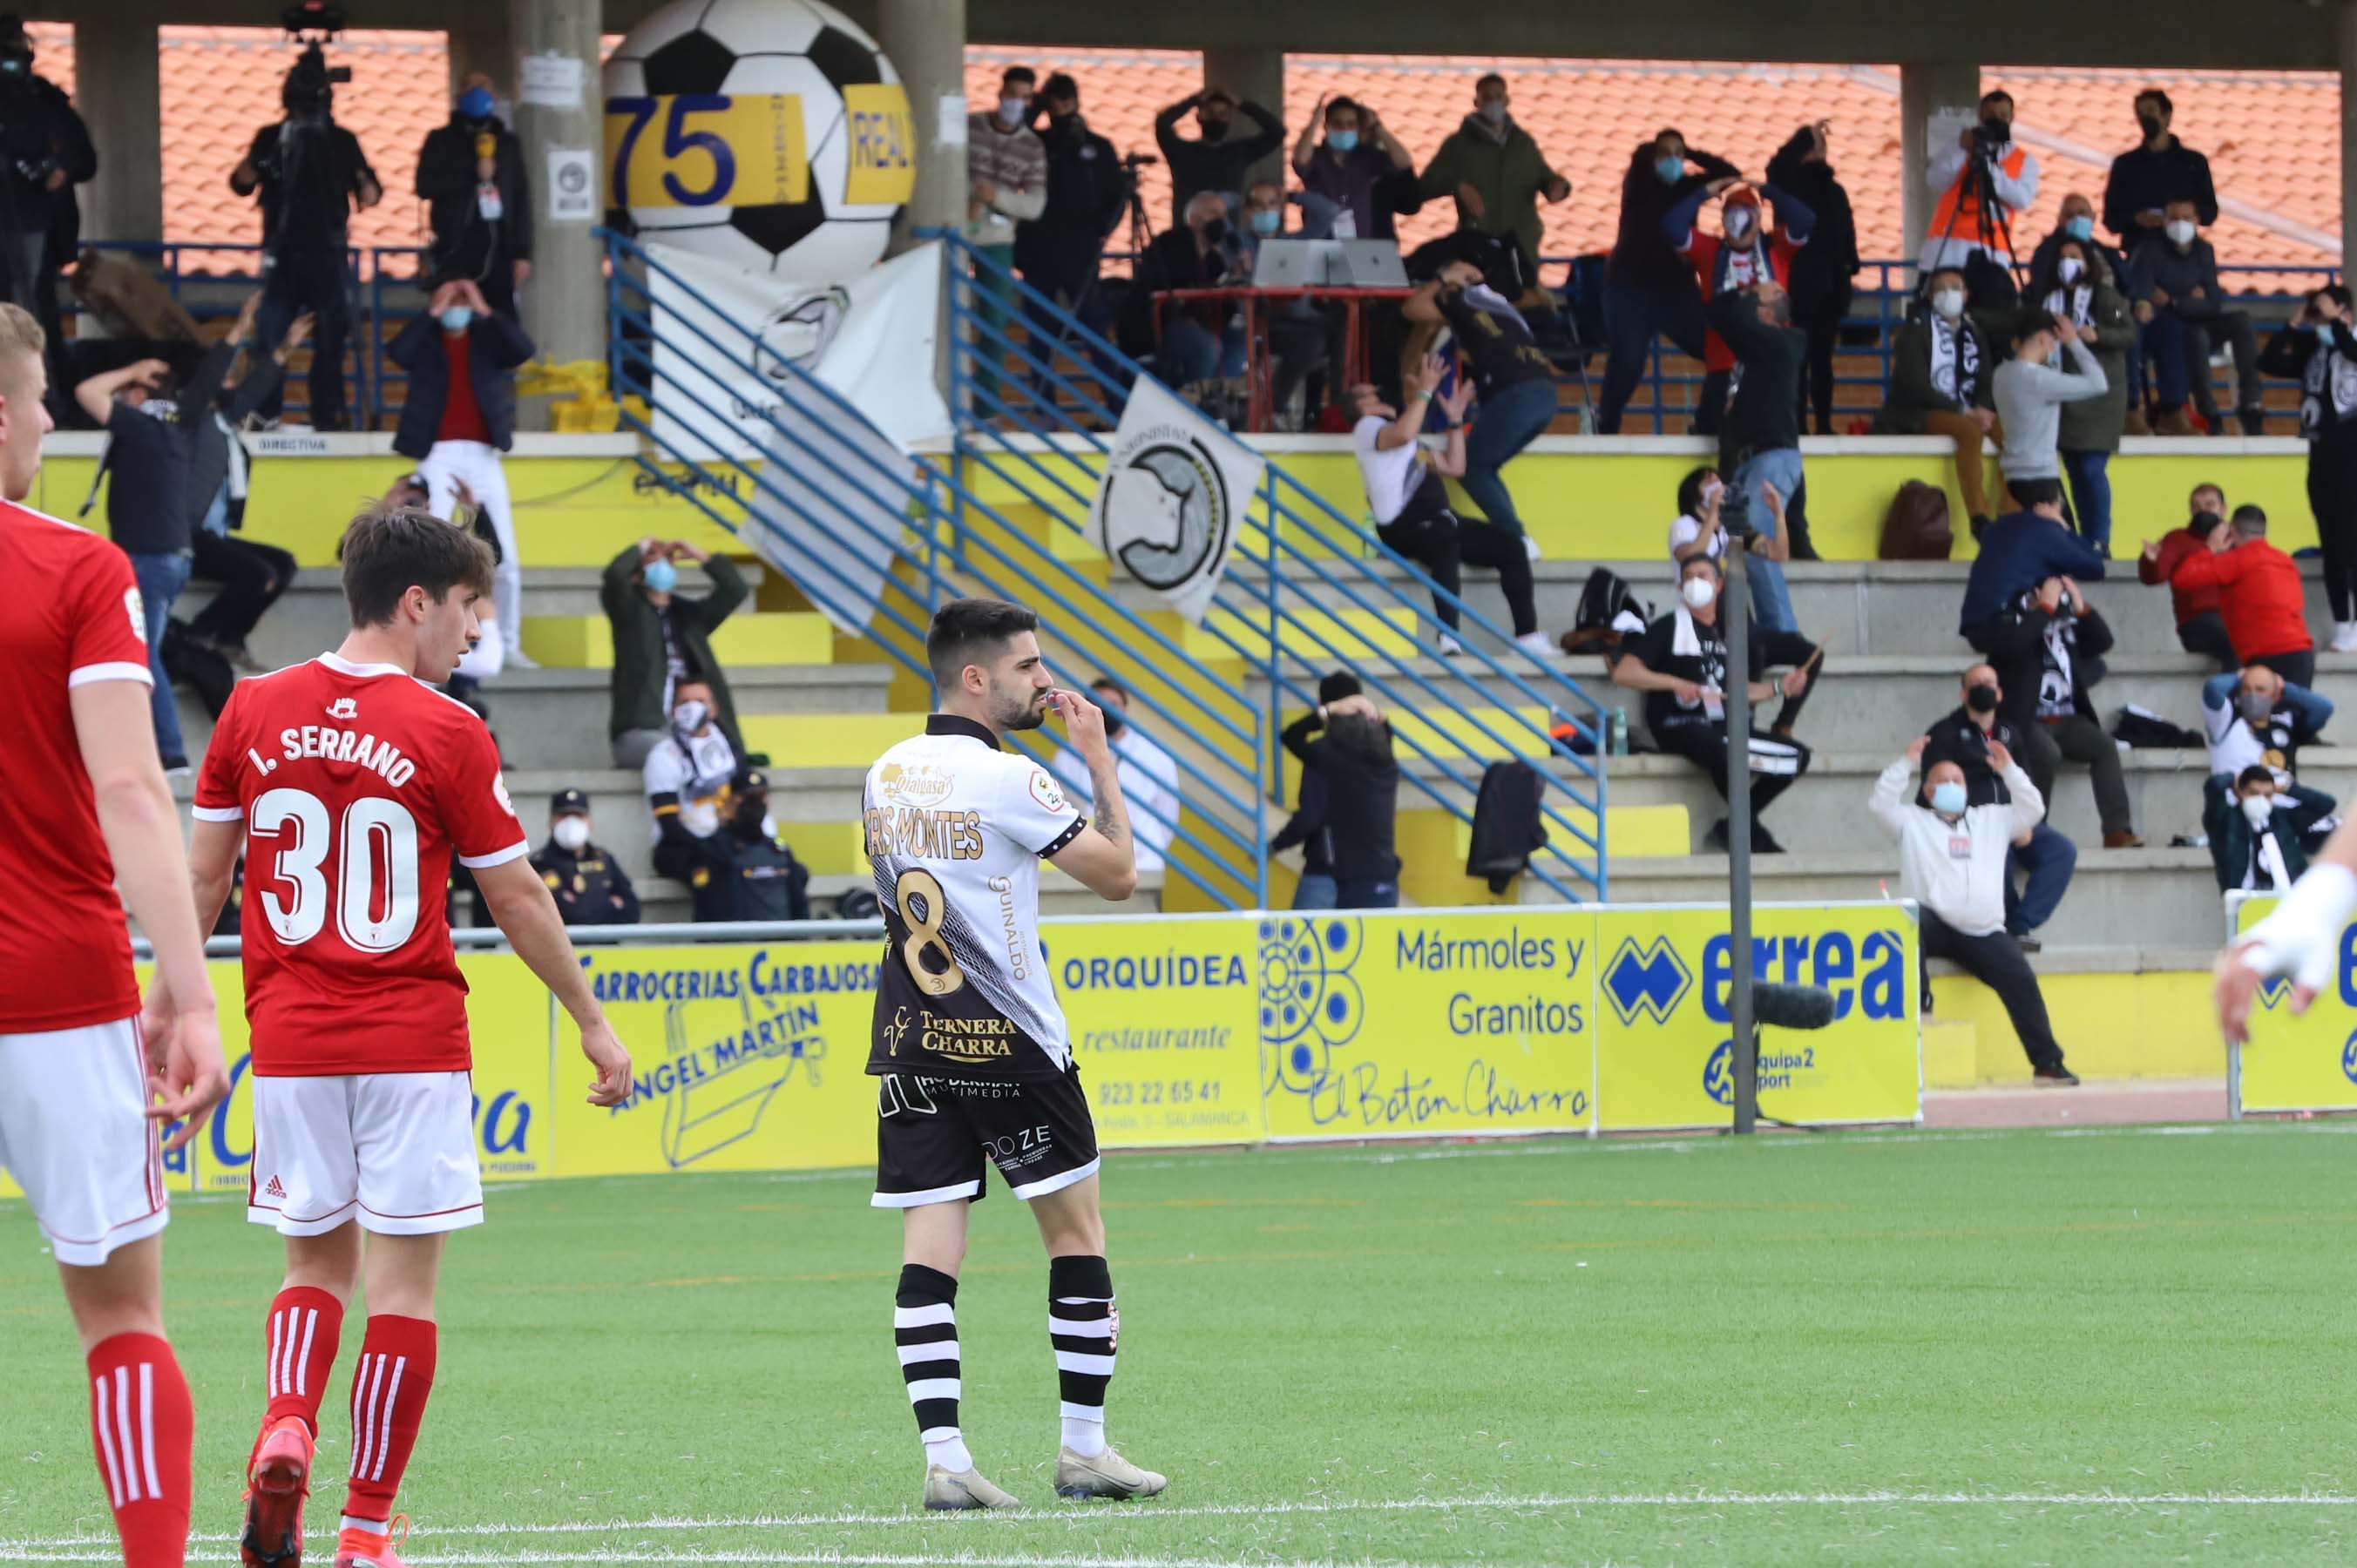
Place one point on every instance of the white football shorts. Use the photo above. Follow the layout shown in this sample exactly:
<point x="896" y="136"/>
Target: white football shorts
<point x="393" y="1150"/>
<point x="75" y="1134"/>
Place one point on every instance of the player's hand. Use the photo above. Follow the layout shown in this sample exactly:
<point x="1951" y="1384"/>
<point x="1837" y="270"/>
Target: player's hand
<point x="1083" y="724"/>
<point x="187" y="1074"/>
<point x="606" y="1054"/>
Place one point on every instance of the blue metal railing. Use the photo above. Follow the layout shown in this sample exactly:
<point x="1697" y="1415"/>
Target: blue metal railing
<point x="209" y="279"/>
<point x="911" y="515"/>
<point x="1308" y="573"/>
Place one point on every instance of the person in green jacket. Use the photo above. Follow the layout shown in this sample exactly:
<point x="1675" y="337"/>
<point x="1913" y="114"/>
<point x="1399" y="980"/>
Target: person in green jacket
<point x="1497" y="173"/>
<point x="663" y="637"/>
<point x="2075" y="281"/>
<point x="1942" y="382"/>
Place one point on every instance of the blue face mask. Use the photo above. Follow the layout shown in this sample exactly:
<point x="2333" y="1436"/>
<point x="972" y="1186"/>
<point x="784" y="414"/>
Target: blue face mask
<point x="2080" y="228"/>
<point x="1671" y="167"/>
<point x="1342" y="140"/>
<point x="662" y="576"/>
<point x="475" y="103"/>
<point x="1948" y="799"/>
<point x="455" y="320"/>
<point x="1265" y="222"/>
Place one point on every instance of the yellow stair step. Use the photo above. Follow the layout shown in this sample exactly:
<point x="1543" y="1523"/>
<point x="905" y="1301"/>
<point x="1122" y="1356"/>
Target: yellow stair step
<point x="587" y="642"/>
<point x="825" y="740"/>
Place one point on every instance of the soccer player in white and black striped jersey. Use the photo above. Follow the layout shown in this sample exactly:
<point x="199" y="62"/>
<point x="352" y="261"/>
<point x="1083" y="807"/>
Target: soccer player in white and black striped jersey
<point x="974" y="1062"/>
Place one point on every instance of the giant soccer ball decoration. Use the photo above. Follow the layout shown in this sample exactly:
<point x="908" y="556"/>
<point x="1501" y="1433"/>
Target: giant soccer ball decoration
<point x="771" y="134"/>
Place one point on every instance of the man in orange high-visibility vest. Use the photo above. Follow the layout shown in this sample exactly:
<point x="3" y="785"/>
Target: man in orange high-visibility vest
<point x="1960" y="225"/>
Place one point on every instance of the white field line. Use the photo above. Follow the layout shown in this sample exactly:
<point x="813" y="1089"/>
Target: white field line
<point x="814" y="1559"/>
<point x="1148" y="1512"/>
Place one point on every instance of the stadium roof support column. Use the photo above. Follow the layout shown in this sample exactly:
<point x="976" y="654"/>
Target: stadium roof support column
<point x="1257" y="74"/>
<point x="119" y="91"/>
<point x="925" y="41"/>
<point x="558" y="113"/>
<point x="2345" y="46"/>
<point x="1929" y="93"/>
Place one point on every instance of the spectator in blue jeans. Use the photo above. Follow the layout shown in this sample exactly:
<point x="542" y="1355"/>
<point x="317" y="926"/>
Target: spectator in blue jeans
<point x="2044" y="856"/>
<point x="1512" y="379"/>
<point x="1361" y="784"/>
<point x="1760" y="439"/>
<point x="1649" y="288"/>
<point x="150" y="512"/>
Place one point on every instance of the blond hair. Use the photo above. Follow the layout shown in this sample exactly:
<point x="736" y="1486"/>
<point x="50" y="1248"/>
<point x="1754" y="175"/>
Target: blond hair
<point x="22" y="342"/>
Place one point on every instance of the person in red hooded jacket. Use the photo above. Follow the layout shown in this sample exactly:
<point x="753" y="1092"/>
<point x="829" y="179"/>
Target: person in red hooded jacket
<point x="2200" y="627"/>
<point x="2261" y="596"/>
<point x="1740" y="254"/>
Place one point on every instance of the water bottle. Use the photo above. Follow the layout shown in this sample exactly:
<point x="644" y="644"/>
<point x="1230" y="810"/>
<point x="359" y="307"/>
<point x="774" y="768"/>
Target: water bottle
<point x="1616" y="732"/>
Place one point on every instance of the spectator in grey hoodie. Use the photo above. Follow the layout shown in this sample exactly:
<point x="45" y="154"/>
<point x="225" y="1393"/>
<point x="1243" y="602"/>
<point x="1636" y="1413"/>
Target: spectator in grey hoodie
<point x="2030" y="391"/>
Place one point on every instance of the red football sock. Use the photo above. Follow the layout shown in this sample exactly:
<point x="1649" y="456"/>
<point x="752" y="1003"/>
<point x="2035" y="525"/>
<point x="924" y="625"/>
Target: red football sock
<point x="144" y="1429"/>
<point x="389" y="1390"/>
<point x="300" y="1340"/>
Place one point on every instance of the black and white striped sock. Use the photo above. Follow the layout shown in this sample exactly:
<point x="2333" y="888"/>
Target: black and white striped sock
<point x="1083" y="1327"/>
<point x="924" y="1328"/>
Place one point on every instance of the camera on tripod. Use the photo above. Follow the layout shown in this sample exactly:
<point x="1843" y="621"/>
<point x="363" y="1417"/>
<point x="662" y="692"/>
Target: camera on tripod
<point x="1990" y="138"/>
<point x="311" y="83"/>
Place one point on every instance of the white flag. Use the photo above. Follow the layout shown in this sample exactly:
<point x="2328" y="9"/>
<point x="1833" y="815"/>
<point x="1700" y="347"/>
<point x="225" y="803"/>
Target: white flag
<point x="1175" y="491"/>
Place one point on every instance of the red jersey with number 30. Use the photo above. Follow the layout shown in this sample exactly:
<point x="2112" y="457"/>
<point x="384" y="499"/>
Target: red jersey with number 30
<point x="74" y="617"/>
<point x="356" y="784"/>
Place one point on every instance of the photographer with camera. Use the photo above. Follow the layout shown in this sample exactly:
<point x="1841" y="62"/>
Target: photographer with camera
<point x="307" y="173"/>
<point x="48" y="151"/>
<point x="1985" y="181"/>
<point x="478" y="196"/>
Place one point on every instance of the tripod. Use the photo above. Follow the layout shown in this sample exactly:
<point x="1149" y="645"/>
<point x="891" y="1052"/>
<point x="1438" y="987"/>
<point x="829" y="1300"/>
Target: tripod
<point x="1987" y="205"/>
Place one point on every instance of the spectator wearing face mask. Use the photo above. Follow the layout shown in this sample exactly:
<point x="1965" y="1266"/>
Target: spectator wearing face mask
<point x="1512" y="378"/>
<point x="1215" y="159"/>
<point x="743" y="871"/>
<point x="478" y="196"/>
<point x="2260" y="596"/>
<point x="588" y="883"/>
<point x="49" y="152"/>
<point x="1965" y="231"/>
<point x="1356" y="177"/>
<point x="2254" y="716"/>
<point x="1306" y="336"/>
<point x="2077" y="223"/>
<point x="1952" y="860"/>
<point x="1007" y="185"/>
<point x="1061" y="251"/>
<point x="2079" y="290"/>
<point x="1819" y="273"/>
<point x="1760" y="441"/>
<point x="1682" y="664"/>
<point x="2048" y="650"/>
<point x="1183" y="339"/>
<point x="1410" y="507"/>
<point x="2200" y="627"/>
<point x="2254" y="833"/>
<point x="1649" y="288"/>
<point x="151" y="420"/>
<point x="1743" y="252"/>
<point x="2031" y="395"/>
<point x="1148" y="775"/>
<point x="2148" y="176"/>
<point x="686" y="775"/>
<point x="458" y="416"/>
<point x="1360" y="788"/>
<point x="2317" y="349"/>
<point x="663" y="640"/>
<point x="1971" y="738"/>
<point x="1942" y="382"/>
<point x="1497" y="175"/>
<point x="2178" y="302"/>
<point x="1697" y="533"/>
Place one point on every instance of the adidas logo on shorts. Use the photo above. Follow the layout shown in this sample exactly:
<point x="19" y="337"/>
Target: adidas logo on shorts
<point x="274" y="1189"/>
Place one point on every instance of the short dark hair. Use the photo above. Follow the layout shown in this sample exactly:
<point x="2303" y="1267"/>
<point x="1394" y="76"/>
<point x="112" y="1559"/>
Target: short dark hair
<point x="387" y="551"/>
<point x="1996" y="95"/>
<point x="2251" y="521"/>
<point x="2256" y="773"/>
<point x="2027" y="323"/>
<point x="1061" y="85"/>
<point x="2035" y="492"/>
<point x="1938" y="273"/>
<point x="1219" y="95"/>
<point x="2338" y="292"/>
<point x="1333" y="687"/>
<point x="1107" y="684"/>
<point x="1487" y="78"/>
<point x="2207" y="485"/>
<point x="1704" y="560"/>
<point x="2155" y="95"/>
<point x="1337" y="104"/>
<point x="965" y="628"/>
<point x="1016" y="73"/>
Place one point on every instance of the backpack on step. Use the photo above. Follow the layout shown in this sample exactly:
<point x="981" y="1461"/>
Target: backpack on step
<point x="1916" y="526"/>
<point x="1609" y="610"/>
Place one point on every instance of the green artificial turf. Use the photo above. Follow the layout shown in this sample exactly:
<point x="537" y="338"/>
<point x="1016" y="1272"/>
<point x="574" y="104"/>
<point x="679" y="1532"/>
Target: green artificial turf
<point x="1850" y="1347"/>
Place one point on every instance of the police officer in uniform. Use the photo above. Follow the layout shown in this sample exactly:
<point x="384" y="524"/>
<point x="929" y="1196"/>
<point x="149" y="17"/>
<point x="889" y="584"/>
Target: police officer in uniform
<point x="590" y="886"/>
<point x="742" y="872"/>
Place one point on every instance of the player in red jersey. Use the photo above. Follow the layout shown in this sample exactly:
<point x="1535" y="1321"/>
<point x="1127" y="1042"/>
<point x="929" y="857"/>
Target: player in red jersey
<point x="353" y="782"/>
<point x="88" y="810"/>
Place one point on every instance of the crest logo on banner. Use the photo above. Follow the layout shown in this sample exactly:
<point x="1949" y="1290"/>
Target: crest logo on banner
<point x="1172" y="498"/>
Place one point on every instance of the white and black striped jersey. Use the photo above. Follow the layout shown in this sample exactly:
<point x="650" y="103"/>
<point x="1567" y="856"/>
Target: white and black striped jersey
<point x="956" y="830"/>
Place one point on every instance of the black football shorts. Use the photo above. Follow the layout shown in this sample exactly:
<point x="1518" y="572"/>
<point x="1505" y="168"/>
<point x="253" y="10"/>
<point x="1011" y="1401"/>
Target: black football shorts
<point x="933" y="1136"/>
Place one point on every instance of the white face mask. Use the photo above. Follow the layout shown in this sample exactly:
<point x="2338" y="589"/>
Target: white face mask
<point x="690" y="716"/>
<point x="2258" y="809"/>
<point x="1698" y="592"/>
<point x="571" y="833"/>
<point x="769" y="827"/>
<point x="2071" y="269"/>
<point x="2180" y="232"/>
<point x="1949" y="303"/>
<point x="1711" y="492"/>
